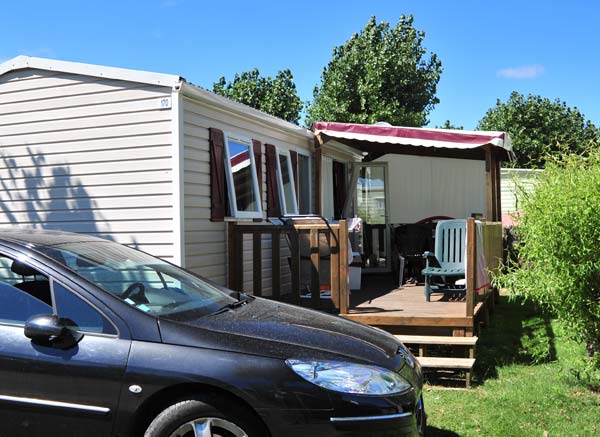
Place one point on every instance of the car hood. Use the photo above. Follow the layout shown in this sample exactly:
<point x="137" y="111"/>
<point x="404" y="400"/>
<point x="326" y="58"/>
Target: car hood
<point x="279" y="330"/>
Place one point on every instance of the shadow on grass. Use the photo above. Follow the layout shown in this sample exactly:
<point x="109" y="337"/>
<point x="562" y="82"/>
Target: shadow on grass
<point x="518" y="333"/>
<point x="432" y="431"/>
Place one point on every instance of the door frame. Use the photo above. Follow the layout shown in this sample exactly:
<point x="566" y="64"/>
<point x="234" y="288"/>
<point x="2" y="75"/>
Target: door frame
<point x="351" y="202"/>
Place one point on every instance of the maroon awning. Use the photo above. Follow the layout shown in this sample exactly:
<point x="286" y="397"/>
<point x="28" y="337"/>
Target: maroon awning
<point x="381" y="139"/>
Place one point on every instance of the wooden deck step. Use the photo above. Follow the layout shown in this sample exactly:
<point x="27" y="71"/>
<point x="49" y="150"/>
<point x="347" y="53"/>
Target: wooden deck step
<point x="446" y="363"/>
<point x="437" y="340"/>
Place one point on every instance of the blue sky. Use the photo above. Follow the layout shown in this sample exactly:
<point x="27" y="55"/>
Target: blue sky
<point x="488" y="49"/>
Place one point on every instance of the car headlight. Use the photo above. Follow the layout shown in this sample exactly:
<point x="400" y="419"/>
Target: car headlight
<point x="350" y="378"/>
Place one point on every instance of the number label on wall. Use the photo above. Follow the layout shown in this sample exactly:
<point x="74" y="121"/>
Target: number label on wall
<point x="164" y="103"/>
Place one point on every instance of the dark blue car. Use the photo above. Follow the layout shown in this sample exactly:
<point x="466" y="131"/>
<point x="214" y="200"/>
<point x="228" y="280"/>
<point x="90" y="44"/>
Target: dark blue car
<point x="98" y="339"/>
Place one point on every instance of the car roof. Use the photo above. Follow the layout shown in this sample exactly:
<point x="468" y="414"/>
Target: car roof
<point x="44" y="237"/>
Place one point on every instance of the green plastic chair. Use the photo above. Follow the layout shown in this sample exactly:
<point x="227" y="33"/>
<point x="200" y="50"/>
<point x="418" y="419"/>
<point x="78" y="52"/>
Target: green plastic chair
<point x="448" y="262"/>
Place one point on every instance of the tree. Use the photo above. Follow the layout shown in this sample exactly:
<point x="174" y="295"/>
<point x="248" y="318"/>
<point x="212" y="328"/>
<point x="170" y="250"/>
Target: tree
<point x="538" y="126"/>
<point x="277" y="96"/>
<point x="379" y="74"/>
<point x="448" y="125"/>
<point x="558" y="261"/>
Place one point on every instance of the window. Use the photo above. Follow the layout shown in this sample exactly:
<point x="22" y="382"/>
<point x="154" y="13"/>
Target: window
<point x="285" y="182"/>
<point x="242" y="182"/>
<point x="17" y="306"/>
<point x="25" y="292"/>
<point x="304" y="184"/>
<point x="86" y="318"/>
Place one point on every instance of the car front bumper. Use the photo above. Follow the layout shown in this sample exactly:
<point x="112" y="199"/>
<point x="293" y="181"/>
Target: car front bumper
<point x="347" y="420"/>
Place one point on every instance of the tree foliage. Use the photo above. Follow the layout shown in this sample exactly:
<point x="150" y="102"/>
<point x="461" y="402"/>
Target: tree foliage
<point x="539" y="126"/>
<point x="379" y="74"/>
<point x="558" y="235"/>
<point x="449" y="125"/>
<point x="277" y="96"/>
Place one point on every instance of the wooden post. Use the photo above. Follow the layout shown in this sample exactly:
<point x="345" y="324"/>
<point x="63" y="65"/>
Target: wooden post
<point x="231" y="261"/>
<point x="334" y="250"/>
<point x="315" y="282"/>
<point x="295" y="267"/>
<point x="235" y="265"/>
<point x="471" y="266"/>
<point x="257" y="263"/>
<point x="490" y="192"/>
<point x="276" y="264"/>
<point x="344" y="277"/>
<point x="498" y="190"/>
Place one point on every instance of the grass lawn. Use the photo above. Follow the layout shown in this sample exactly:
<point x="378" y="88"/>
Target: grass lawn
<point x="526" y="383"/>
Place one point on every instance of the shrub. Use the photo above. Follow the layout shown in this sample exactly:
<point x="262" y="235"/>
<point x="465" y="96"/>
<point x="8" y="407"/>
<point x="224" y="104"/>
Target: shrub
<point x="558" y="246"/>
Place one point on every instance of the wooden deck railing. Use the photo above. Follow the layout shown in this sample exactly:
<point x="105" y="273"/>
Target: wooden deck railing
<point x="337" y="238"/>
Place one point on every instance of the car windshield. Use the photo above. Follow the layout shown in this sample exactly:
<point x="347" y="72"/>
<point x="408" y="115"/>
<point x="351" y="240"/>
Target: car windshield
<point x="143" y="281"/>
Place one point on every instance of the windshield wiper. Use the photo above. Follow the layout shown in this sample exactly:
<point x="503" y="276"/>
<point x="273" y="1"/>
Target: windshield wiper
<point x="243" y="300"/>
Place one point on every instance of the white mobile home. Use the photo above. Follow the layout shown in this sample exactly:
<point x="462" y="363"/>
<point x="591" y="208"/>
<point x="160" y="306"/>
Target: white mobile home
<point x="150" y="160"/>
<point x="127" y="155"/>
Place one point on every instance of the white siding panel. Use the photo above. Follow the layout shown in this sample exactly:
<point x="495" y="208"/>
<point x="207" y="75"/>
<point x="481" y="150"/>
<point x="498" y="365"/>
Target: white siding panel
<point x="84" y="122"/>
<point x="89" y="155"/>
<point x="84" y="156"/>
<point x="206" y="248"/>
<point x="80" y="101"/>
<point x="127" y="107"/>
<point x="510" y="179"/>
<point x="119" y="143"/>
<point x="113" y="179"/>
<point x="78" y="88"/>
<point x="84" y="134"/>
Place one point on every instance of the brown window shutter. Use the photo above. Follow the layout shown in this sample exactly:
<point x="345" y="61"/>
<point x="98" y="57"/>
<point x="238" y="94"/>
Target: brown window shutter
<point x="339" y="188"/>
<point x="294" y="159"/>
<point x="317" y="160"/>
<point x="217" y="175"/>
<point x="273" y="208"/>
<point x="257" y="146"/>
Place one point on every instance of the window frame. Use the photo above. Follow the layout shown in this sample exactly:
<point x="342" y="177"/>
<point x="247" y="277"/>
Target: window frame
<point x="230" y="182"/>
<point x="310" y="180"/>
<point x="280" y="189"/>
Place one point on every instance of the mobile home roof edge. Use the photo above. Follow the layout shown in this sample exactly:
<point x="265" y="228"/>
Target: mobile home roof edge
<point x="22" y="62"/>
<point x="244" y="111"/>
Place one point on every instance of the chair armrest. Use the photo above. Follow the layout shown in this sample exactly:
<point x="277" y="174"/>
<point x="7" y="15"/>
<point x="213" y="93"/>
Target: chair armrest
<point x="428" y="255"/>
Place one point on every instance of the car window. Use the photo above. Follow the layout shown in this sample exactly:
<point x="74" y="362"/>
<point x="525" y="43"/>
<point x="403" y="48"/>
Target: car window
<point x="24" y="292"/>
<point x="86" y="317"/>
<point x="17" y="306"/>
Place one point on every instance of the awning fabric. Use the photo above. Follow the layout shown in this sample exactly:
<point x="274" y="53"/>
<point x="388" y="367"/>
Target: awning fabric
<point x="382" y="139"/>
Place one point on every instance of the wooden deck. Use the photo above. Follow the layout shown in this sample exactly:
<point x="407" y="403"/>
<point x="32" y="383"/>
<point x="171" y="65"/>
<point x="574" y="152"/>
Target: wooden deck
<point x="379" y="302"/>
<point x="382" y="304"/>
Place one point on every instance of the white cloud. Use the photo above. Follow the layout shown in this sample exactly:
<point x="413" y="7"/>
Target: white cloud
<point x="522" y="72"/>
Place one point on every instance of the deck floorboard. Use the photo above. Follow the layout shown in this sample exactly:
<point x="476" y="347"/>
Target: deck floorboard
<point x="381" y="303"/>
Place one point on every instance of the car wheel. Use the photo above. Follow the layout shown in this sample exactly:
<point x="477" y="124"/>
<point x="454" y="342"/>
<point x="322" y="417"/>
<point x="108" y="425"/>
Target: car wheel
<point x="194" y="418"/>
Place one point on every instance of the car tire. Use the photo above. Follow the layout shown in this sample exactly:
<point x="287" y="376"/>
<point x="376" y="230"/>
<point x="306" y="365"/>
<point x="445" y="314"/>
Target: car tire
<point x="179" y="419"/>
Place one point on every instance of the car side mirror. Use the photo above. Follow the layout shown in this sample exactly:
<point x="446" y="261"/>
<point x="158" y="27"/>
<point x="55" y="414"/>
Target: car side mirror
<point x="52" y="331"/>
